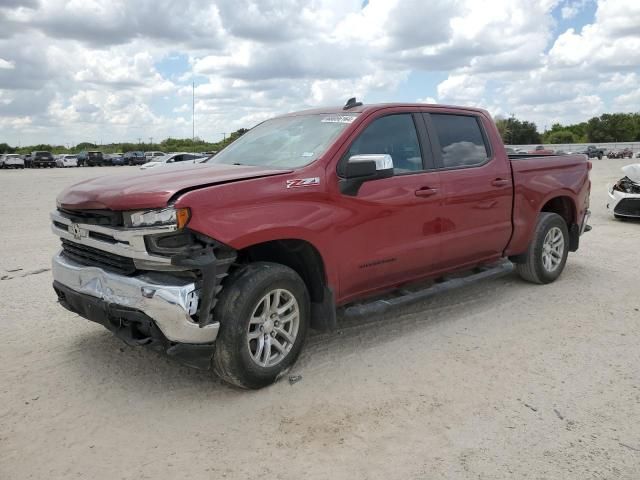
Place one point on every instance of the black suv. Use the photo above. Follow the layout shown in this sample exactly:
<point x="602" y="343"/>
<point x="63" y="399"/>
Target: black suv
<point x="39" y="159"/>
<point x="91" y="159"/>
<point x="134" y="158"/>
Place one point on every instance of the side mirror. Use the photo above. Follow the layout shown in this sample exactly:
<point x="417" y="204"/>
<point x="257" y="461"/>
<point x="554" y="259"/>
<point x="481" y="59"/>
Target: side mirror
<point x="364" y="168"/>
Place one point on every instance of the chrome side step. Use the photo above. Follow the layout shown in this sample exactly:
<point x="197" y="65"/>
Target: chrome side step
<point x="407" y="297"/>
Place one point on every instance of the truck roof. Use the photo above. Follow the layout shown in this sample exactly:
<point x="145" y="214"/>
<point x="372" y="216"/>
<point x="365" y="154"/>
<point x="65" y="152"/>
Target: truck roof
<point x="378" y="106"/>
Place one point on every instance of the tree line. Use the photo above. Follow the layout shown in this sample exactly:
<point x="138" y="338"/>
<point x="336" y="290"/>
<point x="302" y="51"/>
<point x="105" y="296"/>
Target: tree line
<point x="166" y="145"/>
<point x="609" y="127"/>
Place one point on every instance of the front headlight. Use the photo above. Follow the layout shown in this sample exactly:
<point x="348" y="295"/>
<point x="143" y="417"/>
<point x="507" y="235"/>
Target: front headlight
<point x="166" y="216"/>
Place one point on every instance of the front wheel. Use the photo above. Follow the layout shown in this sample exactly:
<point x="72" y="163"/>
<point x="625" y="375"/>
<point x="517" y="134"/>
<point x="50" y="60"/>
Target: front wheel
<point x="547" y="253"/>
<point x="263" y="312"/>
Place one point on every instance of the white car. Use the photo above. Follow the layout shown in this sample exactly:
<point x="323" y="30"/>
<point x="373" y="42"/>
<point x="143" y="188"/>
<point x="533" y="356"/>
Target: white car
<point x="173" y="158"/>
<point x="624" y="196"/>
<point x="11" y="160"/>
<point x="66" y="160"/>
<point x="151" y="156"/>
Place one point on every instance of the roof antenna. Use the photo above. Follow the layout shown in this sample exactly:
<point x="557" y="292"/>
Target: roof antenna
<point x="351" y="103"/>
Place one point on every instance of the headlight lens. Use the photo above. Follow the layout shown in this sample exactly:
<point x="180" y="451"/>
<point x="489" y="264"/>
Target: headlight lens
<point x="166" y="216"/>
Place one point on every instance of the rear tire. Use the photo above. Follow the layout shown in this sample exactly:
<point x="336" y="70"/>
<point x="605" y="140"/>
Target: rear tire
<point x="252" y="319"/>
<point x="546" y="256"/>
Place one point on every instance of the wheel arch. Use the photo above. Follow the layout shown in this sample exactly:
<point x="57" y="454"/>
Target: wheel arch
<point x="306" y="260"/>
<point x="562" y="205"/>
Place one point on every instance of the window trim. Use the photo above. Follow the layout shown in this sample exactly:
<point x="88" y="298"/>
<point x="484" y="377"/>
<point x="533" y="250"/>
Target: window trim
<point x="415" y="115"/>
<point x="435" y="141"/>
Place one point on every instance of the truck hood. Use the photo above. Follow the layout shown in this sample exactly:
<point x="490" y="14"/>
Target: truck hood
<point x="153" y="189"/>
<point x="632" y="172"/>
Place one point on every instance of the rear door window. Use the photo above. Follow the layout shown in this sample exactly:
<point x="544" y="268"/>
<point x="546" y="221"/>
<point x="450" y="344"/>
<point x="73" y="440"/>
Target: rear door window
<point x="462" y="143"/>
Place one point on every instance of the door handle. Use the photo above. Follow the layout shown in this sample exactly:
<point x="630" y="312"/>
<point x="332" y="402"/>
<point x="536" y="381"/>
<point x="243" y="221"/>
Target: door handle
<point x="500" y="182"/>
<point x="426" y="192"/>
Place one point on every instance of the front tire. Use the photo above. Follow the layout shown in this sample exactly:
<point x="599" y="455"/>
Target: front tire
<point x="263" y="312"/>
<point x="546" y="256"/>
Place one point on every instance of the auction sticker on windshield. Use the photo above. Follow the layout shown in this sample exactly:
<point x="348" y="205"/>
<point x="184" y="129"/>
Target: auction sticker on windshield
<point x="339" y="119"/>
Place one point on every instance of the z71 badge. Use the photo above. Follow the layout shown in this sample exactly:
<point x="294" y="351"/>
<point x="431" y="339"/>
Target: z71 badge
<point x="303" y="182"/>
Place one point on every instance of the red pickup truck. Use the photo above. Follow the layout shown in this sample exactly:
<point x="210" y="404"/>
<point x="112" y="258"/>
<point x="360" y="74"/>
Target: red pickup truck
<point x="228" y="263"/>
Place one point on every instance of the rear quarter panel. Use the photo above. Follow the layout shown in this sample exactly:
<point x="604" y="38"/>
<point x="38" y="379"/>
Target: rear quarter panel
<point x="540" y="179"/>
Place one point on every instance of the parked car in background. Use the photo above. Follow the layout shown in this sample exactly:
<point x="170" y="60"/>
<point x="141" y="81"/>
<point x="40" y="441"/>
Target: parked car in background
<point x="227" y="264"/>
<point x="638" y="155"/>
<point x="134" y="158"/>
<point x="593" y="152"/>
<point x="171" y="159"/>
<point x="624" y="195"/>
<point x="116" y="158"/>
<point x="150" y="156"/>
<point x="42" y="159"/>
<point x="91" y="158"/>
<point x="540" y="150"/>
<point x="625" y="153"/>
<point x="11" y="160"/>
<point x="66" y="160"/>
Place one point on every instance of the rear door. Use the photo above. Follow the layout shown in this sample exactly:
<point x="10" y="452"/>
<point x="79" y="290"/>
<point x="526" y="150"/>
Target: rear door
<point x="391" y="235"/>
<point x="477" y="189"/>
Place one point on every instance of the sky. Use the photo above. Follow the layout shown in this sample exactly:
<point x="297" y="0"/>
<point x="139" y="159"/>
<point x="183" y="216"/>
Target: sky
<point x="122" y="70"/>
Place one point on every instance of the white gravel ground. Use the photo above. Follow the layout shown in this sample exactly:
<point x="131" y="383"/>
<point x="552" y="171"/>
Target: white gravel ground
<point x="499" y="380"/>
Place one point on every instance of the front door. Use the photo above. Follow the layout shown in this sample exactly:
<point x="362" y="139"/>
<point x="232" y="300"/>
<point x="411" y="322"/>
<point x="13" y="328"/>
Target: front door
<point x="392" y="234"/>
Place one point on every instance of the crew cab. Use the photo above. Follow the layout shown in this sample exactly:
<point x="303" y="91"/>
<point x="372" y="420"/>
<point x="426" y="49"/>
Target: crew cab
<point x="228" y="263"/>
<point x="593" y="152"/>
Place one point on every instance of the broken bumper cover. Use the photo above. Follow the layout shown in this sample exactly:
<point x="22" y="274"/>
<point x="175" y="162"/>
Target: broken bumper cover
<point x="165" y="300"/>
<point x="623" y="204"/>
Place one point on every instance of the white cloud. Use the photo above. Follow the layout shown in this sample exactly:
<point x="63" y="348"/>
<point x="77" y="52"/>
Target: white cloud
<point x="463" y="89"/>
<point x="74" y="68"/>
<point x="6" y="64"/>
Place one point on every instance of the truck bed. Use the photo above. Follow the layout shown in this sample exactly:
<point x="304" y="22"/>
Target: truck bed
<point x="537" y="177"/>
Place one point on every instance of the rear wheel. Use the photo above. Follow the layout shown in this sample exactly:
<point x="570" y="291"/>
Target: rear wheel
<point x="547" y="253"/>
<point x="264" y="316"/>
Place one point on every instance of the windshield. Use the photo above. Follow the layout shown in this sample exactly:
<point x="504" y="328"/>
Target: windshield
<point x="287" y="142"/>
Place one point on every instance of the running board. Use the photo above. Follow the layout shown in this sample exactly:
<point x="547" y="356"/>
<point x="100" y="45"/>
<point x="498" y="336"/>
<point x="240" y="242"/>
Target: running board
<point x="375" y="307"/>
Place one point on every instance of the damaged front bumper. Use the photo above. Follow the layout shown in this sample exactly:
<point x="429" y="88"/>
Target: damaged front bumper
<point x="621" y="204"/>
<point x="167" y="300"/>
